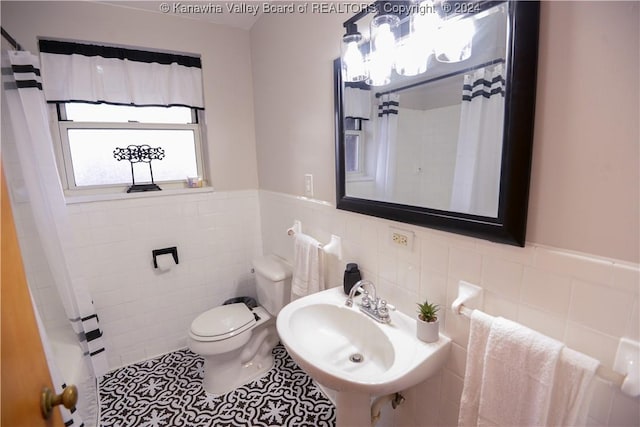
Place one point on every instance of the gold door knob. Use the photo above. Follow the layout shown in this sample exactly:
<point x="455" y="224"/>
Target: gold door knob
<point x="68" y="398"/>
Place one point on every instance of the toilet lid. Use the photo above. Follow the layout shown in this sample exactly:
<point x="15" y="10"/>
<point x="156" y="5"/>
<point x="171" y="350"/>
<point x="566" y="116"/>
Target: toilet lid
<point x="223" y="322"/>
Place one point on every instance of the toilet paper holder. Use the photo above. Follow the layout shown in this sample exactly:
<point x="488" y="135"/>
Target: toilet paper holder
<point x="173" y="250"/>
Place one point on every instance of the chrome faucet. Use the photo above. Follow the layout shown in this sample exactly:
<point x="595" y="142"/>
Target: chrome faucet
<point x="370" y="305"/>
<point x="360" y="284"/>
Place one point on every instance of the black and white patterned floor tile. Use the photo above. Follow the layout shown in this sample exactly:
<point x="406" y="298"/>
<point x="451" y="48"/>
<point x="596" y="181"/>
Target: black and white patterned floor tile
<point x="167" y="392"/>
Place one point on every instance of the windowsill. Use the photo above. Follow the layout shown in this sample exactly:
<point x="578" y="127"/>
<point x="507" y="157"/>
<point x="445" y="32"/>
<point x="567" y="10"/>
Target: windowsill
<point x="359" y="178"/>
<point x="89" y="198"/>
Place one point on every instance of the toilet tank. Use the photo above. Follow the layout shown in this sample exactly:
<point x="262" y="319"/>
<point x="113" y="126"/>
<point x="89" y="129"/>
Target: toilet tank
<point x="273" y="282"/>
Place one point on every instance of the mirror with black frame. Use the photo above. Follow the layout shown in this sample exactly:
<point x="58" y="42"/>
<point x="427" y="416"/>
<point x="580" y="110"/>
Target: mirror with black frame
<point x="448" y="146"/>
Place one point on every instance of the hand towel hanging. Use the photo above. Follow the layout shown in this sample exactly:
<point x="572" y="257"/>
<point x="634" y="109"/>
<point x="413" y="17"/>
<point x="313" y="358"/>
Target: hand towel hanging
<point x="478" y="337"/>
<point x="573" y="388"/>
<point x="518" y="375"/>
<point x="308" y="266"/>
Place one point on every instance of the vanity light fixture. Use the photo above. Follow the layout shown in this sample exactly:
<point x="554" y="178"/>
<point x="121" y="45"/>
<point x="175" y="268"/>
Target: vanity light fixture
<point x="403" y="36"/>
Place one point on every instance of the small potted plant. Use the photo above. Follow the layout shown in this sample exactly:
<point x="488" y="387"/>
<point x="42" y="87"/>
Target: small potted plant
<point x="428" y="324"/>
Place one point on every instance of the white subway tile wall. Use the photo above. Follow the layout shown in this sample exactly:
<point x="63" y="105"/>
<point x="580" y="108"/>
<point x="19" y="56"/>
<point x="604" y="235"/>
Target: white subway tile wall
<point x="588" y="302"/>
<point x="145" y="313"/>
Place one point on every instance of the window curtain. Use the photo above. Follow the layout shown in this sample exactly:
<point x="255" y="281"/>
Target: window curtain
<point x="113" y="75"/>
<point x="476" y="180"/>
<point x="34" y="177"/>
<point x="387" y="143"/>
<point x="357" y="103"/>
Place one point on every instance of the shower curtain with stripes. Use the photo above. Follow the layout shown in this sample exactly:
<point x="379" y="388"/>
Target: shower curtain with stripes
<point x="40" y="184"/>
<point x="476" y="181"/>
<point x="387" y="143"/>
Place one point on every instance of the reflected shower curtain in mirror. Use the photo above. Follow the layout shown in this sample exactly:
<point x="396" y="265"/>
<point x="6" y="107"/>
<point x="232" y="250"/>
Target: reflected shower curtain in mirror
<point x="35" y="179"/>
<point x="386" y="142"/>
<point x="476" y="180"/>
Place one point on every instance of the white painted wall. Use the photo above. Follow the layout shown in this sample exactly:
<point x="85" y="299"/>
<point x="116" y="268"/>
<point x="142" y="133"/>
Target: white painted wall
<point x="585" y="186"/>
<point x="292" y="58"/>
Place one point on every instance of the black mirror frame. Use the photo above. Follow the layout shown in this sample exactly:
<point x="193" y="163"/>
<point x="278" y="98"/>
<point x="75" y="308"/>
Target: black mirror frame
<point x="510" y="225"/>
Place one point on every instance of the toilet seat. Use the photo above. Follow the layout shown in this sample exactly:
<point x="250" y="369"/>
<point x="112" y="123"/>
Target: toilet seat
<point x="222" y="322"/>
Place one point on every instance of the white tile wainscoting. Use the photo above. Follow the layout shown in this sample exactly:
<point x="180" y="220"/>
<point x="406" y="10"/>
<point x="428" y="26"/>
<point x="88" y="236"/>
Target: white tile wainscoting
<point x="588" y="302"/>
<point x="144" y="313"/>
<point x="585" y="301"/>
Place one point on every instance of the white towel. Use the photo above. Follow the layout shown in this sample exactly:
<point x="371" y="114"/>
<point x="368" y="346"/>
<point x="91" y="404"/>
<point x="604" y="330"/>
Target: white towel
<point x="478" y="337"/>
<point x="308" y="266"/>
<point x="572" y="390"/>
<point x="518" y="376"/>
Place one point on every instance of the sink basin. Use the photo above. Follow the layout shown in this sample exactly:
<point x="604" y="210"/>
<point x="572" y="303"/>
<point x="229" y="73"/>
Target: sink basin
<point x="347" y="351"/>
<point x="340" y="339"/>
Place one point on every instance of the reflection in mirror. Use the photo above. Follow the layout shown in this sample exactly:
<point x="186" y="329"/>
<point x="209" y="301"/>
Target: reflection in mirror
<point x="449" y="145"/>
<point x="434" y="140"/>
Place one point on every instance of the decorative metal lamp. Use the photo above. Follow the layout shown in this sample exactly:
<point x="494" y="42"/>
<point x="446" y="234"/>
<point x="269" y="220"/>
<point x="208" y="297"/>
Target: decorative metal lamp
<point x="140" y="154"/>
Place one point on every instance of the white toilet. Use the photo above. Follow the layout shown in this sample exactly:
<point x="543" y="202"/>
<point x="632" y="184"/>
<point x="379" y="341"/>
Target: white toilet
<point x="235" y="341"/>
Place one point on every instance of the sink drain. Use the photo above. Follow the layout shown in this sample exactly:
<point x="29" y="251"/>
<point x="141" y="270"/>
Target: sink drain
<point x="356" y="358"/>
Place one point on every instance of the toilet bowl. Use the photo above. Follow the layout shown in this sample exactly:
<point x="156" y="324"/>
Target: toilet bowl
<point x="236" y="341"/>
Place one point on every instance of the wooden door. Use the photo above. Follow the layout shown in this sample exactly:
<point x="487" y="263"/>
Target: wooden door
<point x="23" y="366"/>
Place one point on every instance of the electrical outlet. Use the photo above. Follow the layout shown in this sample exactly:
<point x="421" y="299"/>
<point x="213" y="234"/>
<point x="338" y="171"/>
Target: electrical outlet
<point x="401" y="238"/>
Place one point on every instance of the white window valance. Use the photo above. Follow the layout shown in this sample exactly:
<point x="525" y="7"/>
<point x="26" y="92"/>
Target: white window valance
<point x="357" y="103"/>
<point x="114" y="75"/>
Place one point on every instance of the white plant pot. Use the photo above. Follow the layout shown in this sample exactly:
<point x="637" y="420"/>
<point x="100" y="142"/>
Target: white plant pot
<point x="428" y="331"/>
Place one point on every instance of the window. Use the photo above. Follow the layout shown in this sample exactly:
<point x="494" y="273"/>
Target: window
<point x="90" y="133"/>
<point x="354" y="152"/>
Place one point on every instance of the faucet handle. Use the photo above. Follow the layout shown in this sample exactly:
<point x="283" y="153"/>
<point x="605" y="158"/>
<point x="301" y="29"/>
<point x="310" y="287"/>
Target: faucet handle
<point x="382" y="307"/>
<point x="383" y="311"/>
<point x="366" y="300"/>
<point x="390" y="307"/>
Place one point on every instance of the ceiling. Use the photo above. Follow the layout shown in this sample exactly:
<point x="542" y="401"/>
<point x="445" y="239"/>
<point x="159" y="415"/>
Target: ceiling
<point x="215" y="12"/>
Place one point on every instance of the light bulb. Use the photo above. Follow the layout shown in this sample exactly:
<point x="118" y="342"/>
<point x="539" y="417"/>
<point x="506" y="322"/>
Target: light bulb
<point x="383" y="49"/>
<point x="414" y="51"/>
<point x="455" y="40"/>
<point x="412" y="57"/>
<point x="379" y="67"/>
<point x="384" y="39"/>
<point x="353" y="66"/>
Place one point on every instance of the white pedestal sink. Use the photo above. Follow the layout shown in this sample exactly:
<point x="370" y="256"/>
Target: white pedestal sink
<point x="349" y="352"/>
